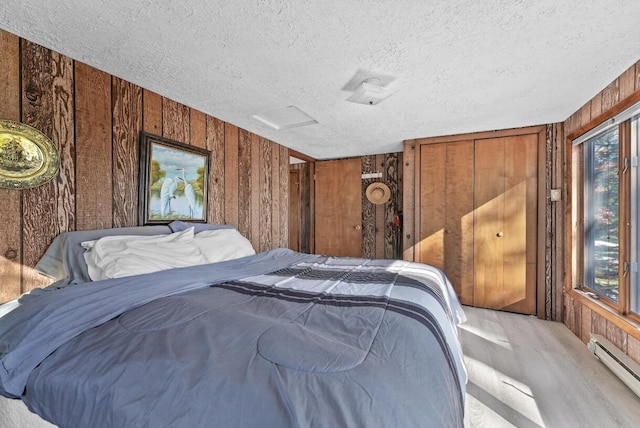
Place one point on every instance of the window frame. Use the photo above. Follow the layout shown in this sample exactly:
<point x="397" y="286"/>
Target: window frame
<point x="578" y="256"/>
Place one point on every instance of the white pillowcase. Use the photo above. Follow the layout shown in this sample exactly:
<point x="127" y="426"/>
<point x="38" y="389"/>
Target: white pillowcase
<point x="223" y="244"/>
<point x="126" y="255"/>
<point x="118" y="256"/>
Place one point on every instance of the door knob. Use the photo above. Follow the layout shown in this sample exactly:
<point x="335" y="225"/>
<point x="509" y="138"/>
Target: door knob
<point x="500" y="234"/>
<point x="357" y="227"/>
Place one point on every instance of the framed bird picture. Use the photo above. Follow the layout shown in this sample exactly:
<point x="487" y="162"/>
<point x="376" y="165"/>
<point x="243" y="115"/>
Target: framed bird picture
<point x="173" y="181"/>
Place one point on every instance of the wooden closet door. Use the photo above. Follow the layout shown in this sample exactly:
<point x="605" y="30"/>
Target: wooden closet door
<point x="338" y="190"/>
<point x="505" y="223"/>
<point x="446" y="207"/>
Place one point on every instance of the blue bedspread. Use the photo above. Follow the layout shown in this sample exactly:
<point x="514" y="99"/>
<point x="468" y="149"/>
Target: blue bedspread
<point x="279" y="339"/>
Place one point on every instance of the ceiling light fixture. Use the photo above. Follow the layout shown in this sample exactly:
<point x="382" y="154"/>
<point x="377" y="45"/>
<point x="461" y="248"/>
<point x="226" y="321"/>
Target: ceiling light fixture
<point x="370" y="92"/>
<point x="285" y="118"/>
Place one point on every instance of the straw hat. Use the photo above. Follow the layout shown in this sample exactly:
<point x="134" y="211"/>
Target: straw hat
<point x="378" y="193"/>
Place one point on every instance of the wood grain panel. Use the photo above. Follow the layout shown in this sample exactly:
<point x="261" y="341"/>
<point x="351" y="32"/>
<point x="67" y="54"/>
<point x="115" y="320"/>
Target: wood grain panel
<point x="217" y="172"/>
<point x="244" y="182"/>
<point x="198" y="129"/>
<point x="175" y="121"/>
<point x="598" y="324"/>
<point x="596" y="105"/>
<point x="127" y="124"/>
<point x="368" y="209"/>
<point x="231" y="174"/>
<point x="284" y="196"/>
<point x="520" y="225"/>
<point x="275" y="195"/>
<point x="628" y="82"/>
<point x="390" y="232"/>
<point x="339" y="207"/>
<point x="633" y="349"/>
<point x="409" y="199"/>
<point x="266" y="177"/>
<point x="610" y="95"/>
<point x="489" y="211"/>
<point x="94" y="195"/>
<point x="617" y="336"/>
<point x="11" y="213"/>
<point x="295" y="209"/>
<point x="433" y="191"/>
<point x="380" y="212"/>
<point x="48" y="106"/>
<point x="584" y="329"/>
<point x="255" y="191"/>
<point x="152" y="112"/>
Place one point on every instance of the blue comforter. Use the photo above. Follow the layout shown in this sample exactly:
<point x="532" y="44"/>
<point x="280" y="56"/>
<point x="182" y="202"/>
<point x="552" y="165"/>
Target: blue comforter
<point x="279" y="339"/>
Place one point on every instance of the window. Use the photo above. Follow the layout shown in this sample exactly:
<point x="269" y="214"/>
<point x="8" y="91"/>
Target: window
<point x="610" y="204"/>
<point x="601" y="216"/>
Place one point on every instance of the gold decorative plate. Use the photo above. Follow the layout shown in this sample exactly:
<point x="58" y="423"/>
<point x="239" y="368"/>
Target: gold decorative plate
<point x="28" y="158"/>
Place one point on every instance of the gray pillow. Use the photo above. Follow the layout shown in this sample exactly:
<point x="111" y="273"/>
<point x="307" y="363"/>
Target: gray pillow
<point x="64" y="259"/>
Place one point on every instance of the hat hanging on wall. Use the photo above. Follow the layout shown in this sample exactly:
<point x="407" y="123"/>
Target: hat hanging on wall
<point x="378" y="193"/>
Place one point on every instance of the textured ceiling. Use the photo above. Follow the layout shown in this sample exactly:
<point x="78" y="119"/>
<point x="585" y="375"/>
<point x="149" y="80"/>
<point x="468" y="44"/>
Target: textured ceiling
<point x="457" y="66"/>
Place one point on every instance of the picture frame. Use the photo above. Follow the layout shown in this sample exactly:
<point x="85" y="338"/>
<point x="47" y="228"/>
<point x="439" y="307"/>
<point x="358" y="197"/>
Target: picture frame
<point x="173" y="181"/>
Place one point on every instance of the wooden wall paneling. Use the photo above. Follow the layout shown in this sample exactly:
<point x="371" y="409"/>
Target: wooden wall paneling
<point x="596" y="105"/>
<point x="94" y="186"/>
<point x="549" y="225"/>
<point x="391" y="175"/>
<point x="304" y="193"/>
<point x="633" y="349"/>
<point x="610" y="95"/>
<point x="598" y="323"/>
<point x="275" y="195"/>
<point x="11" y="213"/>
<point x="410" y="197"/>
<point x="231" y="174"/>
<point x="151" y="112"/>
<point x="617" y="336"/>
<point x="217" y="173"/>
<point x="265" y="194"/>
<point x="198" y="129"/>
<point x="368" y="209"/>
<point x="47" y="80"/>
<point x="284" y="196"/>
<point x="557" y="221"/>
<point x="244" y="182"/>
<point x="569" y="315"/>
<point x="628" y="82"/>
<point x="585" y="325"/>
<point x="255" y="191"/>
<point x="126" y="101"/>
<point x="380" y="212"/>
<point x="175" y="121"/>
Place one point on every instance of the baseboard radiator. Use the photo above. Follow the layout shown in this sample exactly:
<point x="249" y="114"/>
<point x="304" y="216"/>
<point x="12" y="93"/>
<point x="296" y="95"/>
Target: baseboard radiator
<point x="617" y="361"/>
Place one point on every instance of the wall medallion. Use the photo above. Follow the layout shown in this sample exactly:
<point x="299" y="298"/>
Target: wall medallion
<point x="28" y="158"/>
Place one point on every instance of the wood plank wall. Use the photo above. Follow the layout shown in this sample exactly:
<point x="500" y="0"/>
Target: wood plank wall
<point x="380" y="237"/>
<point x="583" y="316"/>
<point x="94" y="119"/>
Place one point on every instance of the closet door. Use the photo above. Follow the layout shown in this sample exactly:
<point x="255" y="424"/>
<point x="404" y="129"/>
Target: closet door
<point x="505" y="223"/>
<point x="446" y="212"/>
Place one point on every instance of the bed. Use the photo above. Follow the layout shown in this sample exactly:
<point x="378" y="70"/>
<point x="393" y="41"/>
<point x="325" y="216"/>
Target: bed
<point x="184" y="325"/>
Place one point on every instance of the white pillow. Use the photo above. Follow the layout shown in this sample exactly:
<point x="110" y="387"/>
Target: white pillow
<point x="118" y="256"/>
<point x="223" y="244"/>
